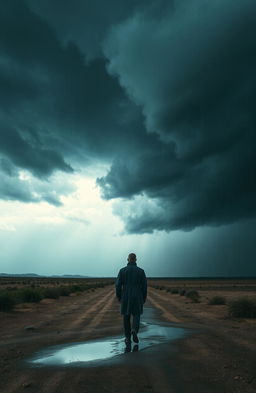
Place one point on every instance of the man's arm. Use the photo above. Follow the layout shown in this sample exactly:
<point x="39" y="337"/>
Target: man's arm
<point x="144" y="286"/>
<point x="119" y="286"/>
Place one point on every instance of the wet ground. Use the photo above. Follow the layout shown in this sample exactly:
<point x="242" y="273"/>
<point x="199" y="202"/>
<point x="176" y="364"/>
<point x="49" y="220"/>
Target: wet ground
<point x="215" y="355"/>
<point x="85" y="353"/>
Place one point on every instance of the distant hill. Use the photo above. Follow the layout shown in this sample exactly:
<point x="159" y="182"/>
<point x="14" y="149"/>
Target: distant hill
<point x="34" y="275"/>
<point x="39" y="275"/>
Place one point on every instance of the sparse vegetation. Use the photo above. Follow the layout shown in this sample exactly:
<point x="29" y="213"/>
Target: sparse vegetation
<point x="30" y="295"/>
<point x="217" y="300"/>
<point x="182" y="292"/>
<point x="51" y="293"/>
<point x="64" y="291"/>
<point x="242" y="307"/>
<point x="34" y="291"/>
<point x="6" y="302"/>
<point x="76" y="288"/>
<point x="193" y="295"/>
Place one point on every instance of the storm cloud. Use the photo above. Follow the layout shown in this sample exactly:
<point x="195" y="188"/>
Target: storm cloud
<point x="161" y="92"/>
<point x="58" y="112"/>
<point x="192" y="72"/>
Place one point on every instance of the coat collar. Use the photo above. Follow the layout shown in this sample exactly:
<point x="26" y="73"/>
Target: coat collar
<point x="131" y="263"/>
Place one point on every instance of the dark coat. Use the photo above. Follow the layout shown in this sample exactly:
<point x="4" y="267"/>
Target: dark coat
<point x="131" y="289"/>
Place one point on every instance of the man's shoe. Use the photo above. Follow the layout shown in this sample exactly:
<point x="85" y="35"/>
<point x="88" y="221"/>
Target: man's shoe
<point x="135" y="337"/>
<point x="127" y="341"/>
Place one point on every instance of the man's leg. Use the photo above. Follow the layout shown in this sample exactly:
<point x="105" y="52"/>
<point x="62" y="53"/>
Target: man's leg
<point x="127" y="326"/>
<point x="135" y="327"/>
<point x="136" y="323"/>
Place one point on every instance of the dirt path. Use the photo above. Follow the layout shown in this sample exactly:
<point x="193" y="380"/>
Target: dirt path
<point x="83" y="318"/>
<point x="221" y="358"/>
<point x="211" y="361"/>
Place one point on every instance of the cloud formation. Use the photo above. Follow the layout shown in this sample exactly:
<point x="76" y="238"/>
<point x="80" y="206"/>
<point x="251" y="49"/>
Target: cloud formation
<point x="58" y="112"/>
<point x="192" y="73"/>
<point x="85" y="22"/>
<point x="21" y="186"/>
<point x="163" y="92"/>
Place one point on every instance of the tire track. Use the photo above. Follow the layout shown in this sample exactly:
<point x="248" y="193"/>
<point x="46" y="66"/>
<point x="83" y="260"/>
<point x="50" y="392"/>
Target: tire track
<point x="59" y="317"/>
<point x="98" y="318"/>
<point x="95" y="308"/>
<point x="99" y="312"/>
<point x="101" y="303"/>
<point x="57" y="379"/>
<point x="167" y="314"/>
<point x="95" y="297"/>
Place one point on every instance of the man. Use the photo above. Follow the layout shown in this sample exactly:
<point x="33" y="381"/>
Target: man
<point x="131" y="291"/>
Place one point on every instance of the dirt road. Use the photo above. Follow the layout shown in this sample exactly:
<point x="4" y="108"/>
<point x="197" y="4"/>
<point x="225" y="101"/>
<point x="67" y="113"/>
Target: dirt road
<point x="217" y="358"/>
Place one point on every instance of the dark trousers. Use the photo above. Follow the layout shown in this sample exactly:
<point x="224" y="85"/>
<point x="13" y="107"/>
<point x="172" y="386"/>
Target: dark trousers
<point x="127" y="324"/>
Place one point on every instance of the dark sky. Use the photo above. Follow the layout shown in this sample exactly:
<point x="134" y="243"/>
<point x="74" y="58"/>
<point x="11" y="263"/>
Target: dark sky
<point x="161" y="92"/>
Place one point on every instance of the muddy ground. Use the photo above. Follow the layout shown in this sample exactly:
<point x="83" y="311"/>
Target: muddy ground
<point x="219" y="356"/>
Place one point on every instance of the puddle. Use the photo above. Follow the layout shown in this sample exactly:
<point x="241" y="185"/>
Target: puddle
<point x="101" y="349"/>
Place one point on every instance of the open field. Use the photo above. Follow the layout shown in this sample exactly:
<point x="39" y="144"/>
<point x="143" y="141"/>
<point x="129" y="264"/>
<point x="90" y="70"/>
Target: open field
<point x="220" y="357"/>
<point x="40" y="282"/>
<point x="15" y="291"/>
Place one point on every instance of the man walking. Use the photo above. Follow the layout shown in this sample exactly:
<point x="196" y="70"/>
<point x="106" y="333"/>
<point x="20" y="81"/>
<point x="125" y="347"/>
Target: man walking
<point x="131" y="291"/>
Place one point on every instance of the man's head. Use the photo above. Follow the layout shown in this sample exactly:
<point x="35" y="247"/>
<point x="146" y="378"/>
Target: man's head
<point x="132" y="257"/>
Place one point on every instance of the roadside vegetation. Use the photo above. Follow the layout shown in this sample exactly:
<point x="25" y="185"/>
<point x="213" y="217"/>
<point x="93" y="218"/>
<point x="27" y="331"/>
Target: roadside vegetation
<point x="7" y="302"/>
<point x="217" y="300"/>
<point x="193" y="295"/>
<point x="35" y="292"/>
<point x="242" y="307"/>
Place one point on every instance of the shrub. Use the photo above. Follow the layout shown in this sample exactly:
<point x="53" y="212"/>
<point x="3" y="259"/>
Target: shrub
<point x="76" y="288"/>
<point x="174" y="290"/>
<point x="30" y="295"/>
<point x="193" y="295"/>
<point x="7" y="302"/>
<point x="215" y="300"/>
<point x="64" y="291"/>
<point x="51" y="293"/>
<point x="182" y="292"/>
<point x="242" y="308"/>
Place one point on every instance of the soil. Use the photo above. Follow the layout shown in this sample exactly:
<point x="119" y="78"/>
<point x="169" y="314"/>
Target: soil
<point x="218" y="356"/>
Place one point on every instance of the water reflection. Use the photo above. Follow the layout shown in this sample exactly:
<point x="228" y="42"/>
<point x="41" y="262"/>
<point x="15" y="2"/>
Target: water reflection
<point x="129" y="348"/>
<point x="149" y="335"/>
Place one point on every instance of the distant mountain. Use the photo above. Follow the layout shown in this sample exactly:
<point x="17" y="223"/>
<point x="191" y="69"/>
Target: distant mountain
<point x="39" y="275"/>
<point x="69" y="276"/>
<point x="20" y="275"/>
